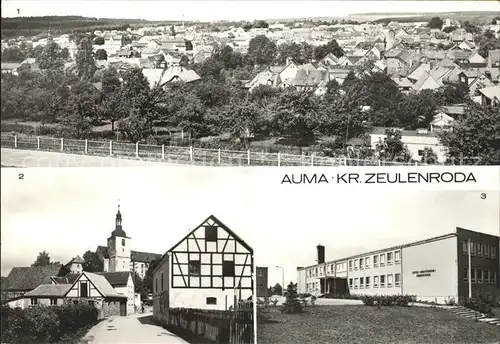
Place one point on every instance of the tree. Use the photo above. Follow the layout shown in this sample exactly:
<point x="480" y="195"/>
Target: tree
<point x="469" y="27"/>
<point x="147" y="281"/>
<point x="334" y="48"/>
<point x="12" y="54"/>
<point x="429" y="156"/>
<point x="475" y="137"/>
<point x="92" y="262"/>
<point x="43" y="259"/>
<point x="453" y="93"/>
<point x="391" y="148"/>
<point x="261" y="50"/>
<point x="260" y="24"/>
<point x="85" y="59"/>
<point x="449" y="29"/>
<point x="99" y="41"/>
<point x="139" y="286"/>
<point x="417" y="110"/>
<point x="292" y="303"/>
<point x="101" y="54"/>
<point x="51" y="57"/>
<point x="277" y="289"/>
<point x="487" y="42"/>
<point x="435" y="23"/>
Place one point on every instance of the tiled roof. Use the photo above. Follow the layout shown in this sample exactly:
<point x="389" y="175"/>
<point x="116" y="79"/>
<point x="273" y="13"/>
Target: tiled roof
<point x="491" y="92"/>
<point x="102" y="285"/>
<point x="76" y="260"/>
<point x="49" y="290"/>
<point x="28" y="278"/>
<point x="119" y="278"/>
<point x="143" y="257"/>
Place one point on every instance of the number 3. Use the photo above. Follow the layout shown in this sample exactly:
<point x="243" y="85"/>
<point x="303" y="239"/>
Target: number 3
<point x="483" y="196"/>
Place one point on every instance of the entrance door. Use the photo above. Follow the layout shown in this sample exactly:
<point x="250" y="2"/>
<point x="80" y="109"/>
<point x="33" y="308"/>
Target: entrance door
<point x="123" y="308"/>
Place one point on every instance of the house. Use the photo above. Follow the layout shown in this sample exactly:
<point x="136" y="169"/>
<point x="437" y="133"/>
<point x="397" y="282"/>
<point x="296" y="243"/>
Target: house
<point x="415" y="140"/>
<point x="24" y="279"/>
<point x="441" y="122"/>
<point x="10" y="67"/>
<point x="210" y="268"/>
<point x="159" y="77"/>
<point x="75" y="265"/>
<point x="118" y="256"/>
<point x="261" y="281"/>
<point x="481" y="81"/>
<point x="494" y="59"/>
<point x="123" y="283"/>
<point x="490" y="96"/>
<point x="43" y="295"/>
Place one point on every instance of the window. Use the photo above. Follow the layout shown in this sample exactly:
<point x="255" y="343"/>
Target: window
<point x="367" y="282"/>
<point x="389" y="280"/>
<point x="480" y="250"/>
<point x="493" y="279"/>
<point x="479" y="276"/>
<point x="211" y="300"/>
<point x="493" y="252"/>
<point x="361" y="263"/>
<point x="34" y="301"/>
<point x="420" y="152"/>
<point x="465" y="275"/>
<point x="210" y="233"/>
<point x="156" y="284"/>
<point x="486" y="276"/>
<point x="397" y="280"/>
<point x="316" y="272"/>
<point x="465" y="247"/>
<point x="321" y="270"/>
<point x="228" y="268"/>
<point x="397" y="257"/>
<point x="53" y="301"/>
<point x="375" y="261"/>
<point x="356" y="264"/>
<point x="260" y="273"/>
<point x="389" y="258"/>
<point x="367" y="262"/>
<point x="382" y="259"/>
<point x="91" y="303"/>
<point x="350" y="265"/>
<point x="375" y="281"/>
<point x="361" y="282"/>
<point x="84" y="289"/>
<point x="473" y="275"/>
<point x="194" y="267"/>
<point x="350" y="282"/>
<point x="123" y="242"/>
<point x="356" y="283"/>
<point x="472" y="249"/>
<point x="486" y="250"/>
<point x="382" y="281"/>
<point x="161" y="282"/>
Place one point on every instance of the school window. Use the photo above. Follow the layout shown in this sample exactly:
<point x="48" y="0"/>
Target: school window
<point x="228" y="268"/>
<point x="465" y="247"/>
<point x="34" y="301"/>
<point x="397" y="257"/>
<point x="367" y="262"/>
<point x="382" y="281"/>
<point x="479" y="276"/>
<point x="211" y="300"/>
<point x="389" y="258"/>
<point x="486" y="250"/>
<point x="375" y="261"/>
<point x="473" y="275"/>
<point x="194" y="267"/>
<point x="350" y="265"/>
<point x="375" y="281"/>
<point x="472" y="249"/>
<point x="493" y="277"/>
<point x="210" y="233"/>
<point x="367" y="282"/>
<point x="361" y="282"/>
<point x="350" y="282"/>
<point x="480" y="250"/>
<point x="321" y="270"/>
<point x="361" y="263"/>
<point x="465" y="275"/>
<point x="486" y="276"/>
<point x="53" y="301"/>
<point x="355" y="264"/>
<point x="493" y="252"/>
<point x="315" y="271"/>
<point x="389" y="280"/>
<point x="382" y="259"/>
<point x="397" y="279"/>
<point x="356" y="283"/>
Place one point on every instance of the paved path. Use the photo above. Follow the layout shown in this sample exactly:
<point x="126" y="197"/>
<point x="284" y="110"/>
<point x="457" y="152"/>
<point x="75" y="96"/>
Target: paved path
<point x="29" y="158"/>
<point x="132" y="329"/>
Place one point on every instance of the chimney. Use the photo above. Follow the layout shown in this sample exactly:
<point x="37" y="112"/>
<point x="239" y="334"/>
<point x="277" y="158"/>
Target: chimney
<point x="321" y="254"/>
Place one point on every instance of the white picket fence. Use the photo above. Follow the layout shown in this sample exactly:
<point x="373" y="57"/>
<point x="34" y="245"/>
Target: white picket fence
<point x="181" y="155"/>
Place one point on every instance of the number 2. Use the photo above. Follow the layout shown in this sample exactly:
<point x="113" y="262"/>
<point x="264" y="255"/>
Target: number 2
<point x="21" y="176"/>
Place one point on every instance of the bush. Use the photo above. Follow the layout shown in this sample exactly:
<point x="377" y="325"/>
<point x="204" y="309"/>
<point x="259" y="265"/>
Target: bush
<point x="45" y="324"/>
<point x="481" y="303"/>
<point x="292" y="303"/>
<point x="386" y="300"/>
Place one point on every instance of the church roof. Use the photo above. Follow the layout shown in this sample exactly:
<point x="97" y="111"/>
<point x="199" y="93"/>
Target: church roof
<point x="143" y="257"/>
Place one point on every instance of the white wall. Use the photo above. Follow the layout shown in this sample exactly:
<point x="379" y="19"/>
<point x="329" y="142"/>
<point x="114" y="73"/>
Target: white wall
<point x="196" y="298"/>
<point x="91" y="290"/>
<point x="440" y="256"/>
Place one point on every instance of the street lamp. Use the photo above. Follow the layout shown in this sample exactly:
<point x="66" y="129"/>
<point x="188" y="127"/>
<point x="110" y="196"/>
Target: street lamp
<point x="282" y="280"/>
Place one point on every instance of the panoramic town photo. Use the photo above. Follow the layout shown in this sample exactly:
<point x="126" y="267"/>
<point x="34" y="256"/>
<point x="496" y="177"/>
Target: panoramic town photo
<point x="232" y="83"/>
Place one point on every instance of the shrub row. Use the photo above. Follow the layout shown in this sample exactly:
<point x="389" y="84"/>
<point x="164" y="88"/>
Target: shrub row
<point x="387" y="300"/>
<point x="480" y="303"/>
<point x="45" y="324"/>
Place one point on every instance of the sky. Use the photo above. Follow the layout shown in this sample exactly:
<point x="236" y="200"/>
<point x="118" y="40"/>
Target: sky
<point x="230" y="10"/>
<point x="67" y="211"/>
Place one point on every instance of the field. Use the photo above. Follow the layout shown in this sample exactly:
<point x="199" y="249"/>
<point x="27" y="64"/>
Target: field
<point x="361" y="324"/>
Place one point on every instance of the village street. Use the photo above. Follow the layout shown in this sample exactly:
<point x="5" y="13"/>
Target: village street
<point x="137" y="328"/>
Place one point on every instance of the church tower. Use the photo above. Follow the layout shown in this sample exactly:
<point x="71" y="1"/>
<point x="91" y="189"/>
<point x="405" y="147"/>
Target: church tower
<point x="119" y="247"/>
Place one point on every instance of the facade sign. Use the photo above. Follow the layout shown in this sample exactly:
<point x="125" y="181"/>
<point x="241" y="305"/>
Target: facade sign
<point x="424" y="273"/>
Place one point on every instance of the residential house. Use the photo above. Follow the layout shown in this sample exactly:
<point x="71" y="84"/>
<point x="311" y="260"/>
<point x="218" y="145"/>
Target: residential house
<point x="24" y="279"/>
<point x="494" y="59"/>
<point x="441" y="122"/>
<point x="118" y="255"/>
<point x="43" y="295"/>
<point x="210" y="268"/>
<point x="75" y="265"/>
<point x="415" y="140"/>
<point x="329" y="60"/>
<point x="479" y="82"/>
<point x="490" y="96"/>
<point x="112" y="44"/>
<point x="159" y="77"/>
<point x="10" y="67"/>
<point x="123" y="284"/>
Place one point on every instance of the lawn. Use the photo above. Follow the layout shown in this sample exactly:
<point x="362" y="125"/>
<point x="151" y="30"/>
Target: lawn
<point x="356" y="324"/>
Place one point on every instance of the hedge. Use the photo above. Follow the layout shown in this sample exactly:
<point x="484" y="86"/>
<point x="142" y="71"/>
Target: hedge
<point x="43" y="324"/>
<point x="387" y="300"/>
<point x="480" y="303"/>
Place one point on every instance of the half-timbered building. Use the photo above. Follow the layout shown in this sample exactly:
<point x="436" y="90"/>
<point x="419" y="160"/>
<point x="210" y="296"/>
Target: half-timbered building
<point x="210" y="268"/>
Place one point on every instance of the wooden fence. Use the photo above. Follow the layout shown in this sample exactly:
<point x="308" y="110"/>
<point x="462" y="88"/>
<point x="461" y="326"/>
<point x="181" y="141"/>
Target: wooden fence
<point x="181" y="155"/>
<point x="229" y="327"/>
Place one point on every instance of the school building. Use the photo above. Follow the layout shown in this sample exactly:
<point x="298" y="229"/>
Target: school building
<point x="451" y="266"/>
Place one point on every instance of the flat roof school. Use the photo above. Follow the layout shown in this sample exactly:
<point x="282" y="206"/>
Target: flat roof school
<point x="434" y="270"/>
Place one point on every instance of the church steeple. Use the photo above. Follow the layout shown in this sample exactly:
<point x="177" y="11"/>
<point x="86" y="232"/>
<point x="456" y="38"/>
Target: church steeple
<point x="118" y="225"/>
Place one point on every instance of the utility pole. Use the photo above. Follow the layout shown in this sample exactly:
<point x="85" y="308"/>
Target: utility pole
<point x="470" y="270"/>
<point x="282" y="280"/>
